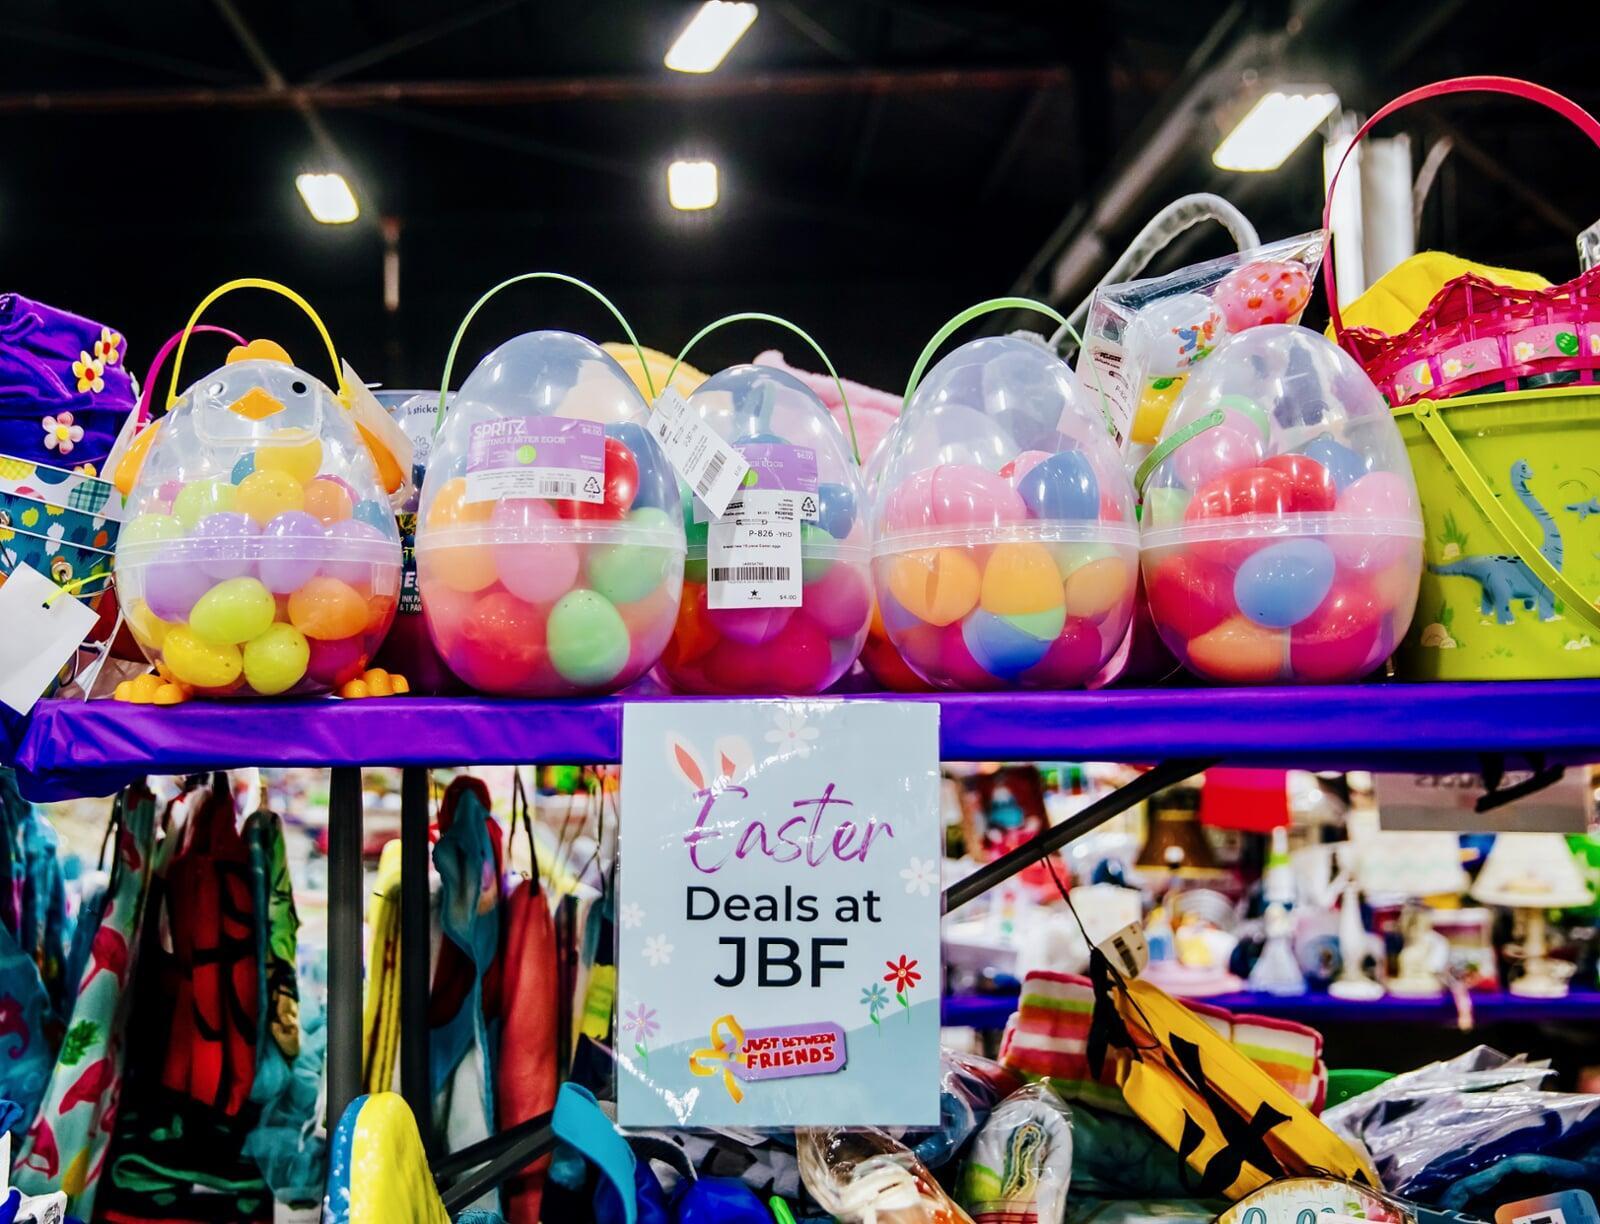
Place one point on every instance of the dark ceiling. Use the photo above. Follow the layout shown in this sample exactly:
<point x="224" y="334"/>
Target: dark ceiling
<point x="884" y="162"/>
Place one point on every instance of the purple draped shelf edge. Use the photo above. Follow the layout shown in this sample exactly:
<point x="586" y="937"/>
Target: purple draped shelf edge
<point x="990" y="1012"/>
<point x="64" y="749"/>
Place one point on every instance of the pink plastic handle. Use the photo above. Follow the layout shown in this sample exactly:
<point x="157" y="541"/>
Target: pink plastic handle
<point x="1562" y="105"/>
<point x="162" y="354"/>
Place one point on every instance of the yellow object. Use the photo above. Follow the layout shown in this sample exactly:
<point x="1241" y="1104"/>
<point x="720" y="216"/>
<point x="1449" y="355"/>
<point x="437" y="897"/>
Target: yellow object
<point x="1397" y="298"/>
<point x="375" y="682"/>
<point x="1240" y="651"/>
<point x="233" y="611"/>
<point x="1205" y="1098"/>
<point x="141" y="690"/>
<point x="599" y="1001"/>
<point x="389" y="1178"/>
<point x="1096" y="589"/>
<point x="658" y="365"/>
<point x="203" y="664"/>
<point x="258" y="350"/>
<point x="389" y="473"/>
<point x="1019" y="580"/>
<point x="169" y="694"/>
<point x="1151" y="414"/>
<point x="132" y="461"/>
<point x="147" y="627"/>
<point x="380" y="1022"/>
<point x="462" y="567"/>
<point x="295" y="455"/>
<point x="726" y="1038"/>
<point x="276" y="659"/>
<point x="265" y="495"/>
<point x="937" y="585"/>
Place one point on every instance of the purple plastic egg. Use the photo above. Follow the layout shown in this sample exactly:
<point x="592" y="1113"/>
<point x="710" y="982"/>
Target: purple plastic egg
<point x="358" y="572"/>
<point x="174" y="584"/>
<point x="222" y="548"/>
<point x="293" y="545"/>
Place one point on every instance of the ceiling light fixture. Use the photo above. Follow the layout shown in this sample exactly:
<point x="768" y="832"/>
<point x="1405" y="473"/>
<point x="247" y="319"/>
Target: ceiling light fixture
<point x="709" y="36"/>
<point x="692" y="185"/>
<point x="328" y="198"/>
<point x="1275" y="127"/>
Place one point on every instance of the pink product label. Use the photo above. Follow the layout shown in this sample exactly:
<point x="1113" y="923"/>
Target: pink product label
<point x="790" y="1050"/>
<point x="1548" y="342"/>
<point x="1591" y="339"/>
<point x="775" y="465"/>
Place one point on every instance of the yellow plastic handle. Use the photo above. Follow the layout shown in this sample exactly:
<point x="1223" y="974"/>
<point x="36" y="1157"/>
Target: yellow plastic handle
<point x="252" y="282"/>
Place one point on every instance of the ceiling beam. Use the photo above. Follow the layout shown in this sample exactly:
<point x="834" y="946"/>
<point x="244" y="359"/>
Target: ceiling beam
<point x="533" y="90"/>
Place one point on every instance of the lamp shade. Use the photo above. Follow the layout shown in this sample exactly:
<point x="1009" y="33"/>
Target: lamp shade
<point x="1531" y="871"/>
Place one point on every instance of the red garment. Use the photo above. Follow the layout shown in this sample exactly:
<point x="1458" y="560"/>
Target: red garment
<point x="211" y="1054"/>
<point x="454" y="974"/>
<point x="526" y="1078"/>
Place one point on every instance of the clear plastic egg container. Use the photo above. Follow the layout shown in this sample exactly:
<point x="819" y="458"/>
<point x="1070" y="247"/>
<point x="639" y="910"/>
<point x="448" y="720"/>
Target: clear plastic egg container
<point x="1005" y="553"/>
<point x="549" y="534"/>
<point x="787" y="436"/>
<point x="1283" y="539"/>
<point x="259" y="554"/>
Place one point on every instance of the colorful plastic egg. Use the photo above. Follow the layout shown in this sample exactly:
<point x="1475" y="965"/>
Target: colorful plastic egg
<point x="1273" y="574"/>
<point x="1172" y="333"/>
<point x="1267" y="291"/>
<point x="1002" y="533"/>
<point x="550" y="508"/>
<point x="748" y="636"/>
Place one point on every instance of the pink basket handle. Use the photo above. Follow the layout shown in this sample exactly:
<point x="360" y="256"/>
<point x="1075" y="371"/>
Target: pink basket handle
<point x="1562" y="105"/>
<point x="143" y="416"/>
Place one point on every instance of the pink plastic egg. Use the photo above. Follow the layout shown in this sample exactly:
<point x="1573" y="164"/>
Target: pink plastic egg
<point x="839" y="603"/>
<point x="1216" y="452"/>
<point x="1268" y="291"/>
<point x="953" y="495"/>
<point x="535" y="571"/>
<point x="1387" y="501"/>
<point x="751" y="626"/>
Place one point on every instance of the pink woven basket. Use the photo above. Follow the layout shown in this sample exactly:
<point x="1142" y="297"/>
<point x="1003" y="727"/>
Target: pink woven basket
<point x="1475" y="335"/>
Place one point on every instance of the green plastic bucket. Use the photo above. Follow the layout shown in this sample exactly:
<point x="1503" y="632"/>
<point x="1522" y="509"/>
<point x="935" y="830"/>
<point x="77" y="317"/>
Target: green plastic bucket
<point x="1352" y="1082"/>
<point x="1510" y="490"/>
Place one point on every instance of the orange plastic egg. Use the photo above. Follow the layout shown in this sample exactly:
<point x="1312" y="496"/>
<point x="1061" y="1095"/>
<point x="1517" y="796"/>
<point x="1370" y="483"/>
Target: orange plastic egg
<point x="327" y="609"/>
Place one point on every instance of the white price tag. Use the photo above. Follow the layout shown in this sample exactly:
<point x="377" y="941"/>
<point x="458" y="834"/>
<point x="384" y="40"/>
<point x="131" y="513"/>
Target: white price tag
<point x="1127" y="950"/>
<point x="710" y="467"/>
<point x="43" y="627"/>
<point x="1110" y="378"/>
<point x="753" y="552"/>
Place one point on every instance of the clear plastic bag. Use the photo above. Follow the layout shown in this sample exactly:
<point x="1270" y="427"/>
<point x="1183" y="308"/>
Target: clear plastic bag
<point x="1145" y="336"/>
<point x="866" y="1177"/>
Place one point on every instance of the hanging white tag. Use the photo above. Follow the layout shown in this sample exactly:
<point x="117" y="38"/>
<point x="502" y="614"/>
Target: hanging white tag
<point x="712" y="468"/>
<point x="39" y="636"/>
<point x="1127" y="950"/>
<point x="753" y="554"/>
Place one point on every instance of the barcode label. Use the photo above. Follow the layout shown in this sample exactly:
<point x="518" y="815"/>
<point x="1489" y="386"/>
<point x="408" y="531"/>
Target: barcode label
<point x="753" y="554"/>
<point x="703" y="461"/>
<point x="1127" y="950"/>
<point x="709" y="477"/>
<point x="750" y="573"/>
<point x="557" y="484"/>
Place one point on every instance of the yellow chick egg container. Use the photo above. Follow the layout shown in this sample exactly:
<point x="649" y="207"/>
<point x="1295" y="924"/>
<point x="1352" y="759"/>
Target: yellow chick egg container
<point x="259" y="555"/>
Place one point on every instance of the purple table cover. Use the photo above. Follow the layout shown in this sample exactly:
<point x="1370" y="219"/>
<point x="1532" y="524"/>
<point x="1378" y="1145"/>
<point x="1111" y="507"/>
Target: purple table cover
<point x="65" y="749"/>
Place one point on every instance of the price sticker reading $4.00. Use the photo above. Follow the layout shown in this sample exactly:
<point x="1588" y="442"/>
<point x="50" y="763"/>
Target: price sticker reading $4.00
<point x="753" y="552"/>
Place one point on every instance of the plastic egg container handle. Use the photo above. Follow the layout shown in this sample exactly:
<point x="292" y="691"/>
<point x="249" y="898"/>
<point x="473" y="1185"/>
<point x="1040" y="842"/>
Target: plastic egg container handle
<point x="1005" y="552"/>
<point x="260" y="556"/>
<point x="549" y="540"/>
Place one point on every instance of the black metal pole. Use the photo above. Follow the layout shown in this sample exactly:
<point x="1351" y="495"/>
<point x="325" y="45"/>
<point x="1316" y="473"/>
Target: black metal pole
<point x="344" y="940"/>
<point x="1168" y="773"/>
<point x="414" y="939"/>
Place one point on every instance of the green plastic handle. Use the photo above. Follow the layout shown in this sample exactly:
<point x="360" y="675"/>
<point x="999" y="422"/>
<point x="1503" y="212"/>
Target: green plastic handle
<point x="989" y="307"/>
<point x="1193" y="429"/>
<point x="450" y="361"/>
<point x="1477" y="488"/>
<point x="758" y="317"/>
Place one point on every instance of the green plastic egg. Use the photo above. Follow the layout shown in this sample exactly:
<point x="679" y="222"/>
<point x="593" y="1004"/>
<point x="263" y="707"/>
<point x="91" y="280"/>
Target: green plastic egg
<point x="587" y="640"/>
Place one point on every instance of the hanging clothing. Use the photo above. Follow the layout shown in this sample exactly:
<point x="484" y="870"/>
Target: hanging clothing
<point x="45" y="931"/>
<point x="526" y="1078"/>
<point x="459" y="1045"/>
<point x="377" y="1170"/>
<point x="66" y="1146"/>
<point x="177" y="1153"/>
<point x="380" y="1021"/>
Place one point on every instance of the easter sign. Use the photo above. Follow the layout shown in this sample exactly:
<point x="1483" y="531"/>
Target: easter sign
<point x="778" y="926"/>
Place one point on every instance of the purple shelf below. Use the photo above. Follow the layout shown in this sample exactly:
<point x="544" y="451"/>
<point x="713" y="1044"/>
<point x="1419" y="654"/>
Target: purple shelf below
<point x="64" y="749"/>
<point x="1317" y="1010"/>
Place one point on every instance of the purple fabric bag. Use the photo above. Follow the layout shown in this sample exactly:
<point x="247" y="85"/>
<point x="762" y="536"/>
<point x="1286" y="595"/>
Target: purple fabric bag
<point x="64" y="385"/>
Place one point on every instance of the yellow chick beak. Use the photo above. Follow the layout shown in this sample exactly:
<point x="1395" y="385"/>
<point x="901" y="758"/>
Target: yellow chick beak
<point x="256" y="405"/>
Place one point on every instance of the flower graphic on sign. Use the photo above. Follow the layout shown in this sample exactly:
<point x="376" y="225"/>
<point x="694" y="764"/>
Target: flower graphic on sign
<point x="874" y="998"/>
<point x="657" y="951"/>
<point x="60" y="433"/>
<point x="790" y="733"/>
<point x="905" y="977"/>
<point x="641" y="1022"/>
<point x="921" y="876"/>
<point x="632" y="916"/>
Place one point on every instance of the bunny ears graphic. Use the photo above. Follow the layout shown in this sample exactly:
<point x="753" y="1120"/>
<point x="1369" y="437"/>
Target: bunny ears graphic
<point x="733" y="757"/>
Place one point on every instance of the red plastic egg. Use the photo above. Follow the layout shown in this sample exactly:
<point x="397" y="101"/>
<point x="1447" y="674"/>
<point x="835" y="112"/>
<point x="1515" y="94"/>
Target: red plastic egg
<point x="1251" y="490"/>
<point x="502" y="644"/>
<point x="1338" y="640"/>
<point x="1311" y="486"/>
<point x="621" y="487"/>
<point x="1071" y="661"/>
<point x="1190" y="595"/>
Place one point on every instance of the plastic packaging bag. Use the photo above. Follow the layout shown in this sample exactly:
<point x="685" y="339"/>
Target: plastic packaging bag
<point x="1431" y="1128"/>
<point x="865" y="1177"/>
<point x="1020" y="1164"/>
<point x="1145" y="336"/>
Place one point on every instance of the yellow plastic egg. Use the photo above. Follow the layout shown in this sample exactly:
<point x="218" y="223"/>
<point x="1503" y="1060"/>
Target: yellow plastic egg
<point x="1095" y="590"/>
<point x="264" y="495"/>
<point x="292" y="456"/>
<point x="1240" y="651"/>
<point x="1020" y="579"/>
<point x="936" y="585"/>
<point x="193" y="660"/>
